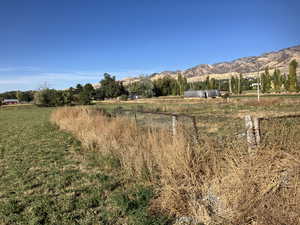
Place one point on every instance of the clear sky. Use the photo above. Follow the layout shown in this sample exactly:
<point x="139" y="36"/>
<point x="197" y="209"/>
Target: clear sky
<point x="65" y="42"/>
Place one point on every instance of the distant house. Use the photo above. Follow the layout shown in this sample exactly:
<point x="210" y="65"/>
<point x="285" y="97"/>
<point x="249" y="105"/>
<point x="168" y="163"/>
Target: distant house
<point x="202" y="94"/>
<point x="10" y="101"/>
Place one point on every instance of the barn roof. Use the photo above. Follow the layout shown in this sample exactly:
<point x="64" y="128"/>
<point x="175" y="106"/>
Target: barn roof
<point x="10" y="100"/>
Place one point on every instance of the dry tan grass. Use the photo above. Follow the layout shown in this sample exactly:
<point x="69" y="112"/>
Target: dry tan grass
<point x="212" y="185"/>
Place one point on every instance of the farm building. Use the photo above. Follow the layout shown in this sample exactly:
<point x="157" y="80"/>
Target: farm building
<point x="10" y="101"/>
<point x="202" y="94"/>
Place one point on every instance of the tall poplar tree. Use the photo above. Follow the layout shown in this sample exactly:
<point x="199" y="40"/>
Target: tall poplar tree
<point x="266" y="81"/>
<point x="292" y="77"/>
<point x="277" y="80"/>
<point x="182" y="84"/>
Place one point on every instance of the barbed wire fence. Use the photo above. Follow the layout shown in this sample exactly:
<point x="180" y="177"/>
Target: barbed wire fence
<point x="194" y="126"/>
<point x="247" y="128"/>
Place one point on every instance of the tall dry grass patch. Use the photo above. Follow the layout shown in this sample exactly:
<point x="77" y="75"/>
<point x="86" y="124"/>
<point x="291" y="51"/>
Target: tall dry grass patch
<point x="210" y="184"/>
<point x="267" y="101"/>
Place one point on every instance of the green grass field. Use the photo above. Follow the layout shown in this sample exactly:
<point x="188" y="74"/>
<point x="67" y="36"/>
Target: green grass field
<point x="46" y="178"/>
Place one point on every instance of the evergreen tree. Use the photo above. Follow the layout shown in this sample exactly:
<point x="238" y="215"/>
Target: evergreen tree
<point x="99" y="94"/>
<point x="79" y="88"/>
<point x="112" y="88"/>
<point x="89" y="89"/>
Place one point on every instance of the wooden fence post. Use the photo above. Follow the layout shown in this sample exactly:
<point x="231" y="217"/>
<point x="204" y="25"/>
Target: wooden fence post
<point x="195" y="129"/>
<point x="250" y="132"/>
<point x="174" y="123"/>
<point x="256" y="123"/>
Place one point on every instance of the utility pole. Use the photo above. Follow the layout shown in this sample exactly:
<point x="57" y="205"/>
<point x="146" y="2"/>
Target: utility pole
<point x="239" y="85"/>
<point x="230" y="89"/>
<point x="258" y="82"/>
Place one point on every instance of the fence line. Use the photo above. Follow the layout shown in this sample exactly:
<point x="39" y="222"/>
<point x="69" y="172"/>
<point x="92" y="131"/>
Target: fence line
<point x="252" y="124"/>
<point x="174" y="119"/>
<point x="253" y="129"/>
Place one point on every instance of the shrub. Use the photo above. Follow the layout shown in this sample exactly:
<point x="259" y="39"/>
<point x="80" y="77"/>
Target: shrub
<point x="123" y="97"/>
<point x="51" y="97"/>
<point x="84" y="98"/>
<point x="46" y="97"/>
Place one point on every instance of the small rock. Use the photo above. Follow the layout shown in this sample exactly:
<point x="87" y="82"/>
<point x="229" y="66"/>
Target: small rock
<point x="186" y="220"/>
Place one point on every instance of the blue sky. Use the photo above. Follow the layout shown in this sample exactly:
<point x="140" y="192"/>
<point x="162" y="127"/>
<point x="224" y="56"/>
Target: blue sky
<point x="65" y="42"/>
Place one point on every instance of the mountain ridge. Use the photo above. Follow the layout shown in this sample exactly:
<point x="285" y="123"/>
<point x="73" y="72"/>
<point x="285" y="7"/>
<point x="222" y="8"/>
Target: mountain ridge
<point x="246" y="65"/>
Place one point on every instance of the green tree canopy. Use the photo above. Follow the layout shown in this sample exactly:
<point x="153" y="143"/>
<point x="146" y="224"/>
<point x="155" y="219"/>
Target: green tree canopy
<point x="143" y="87"/>
<point x="112" y="88"/>
<point x="165" y="86"/>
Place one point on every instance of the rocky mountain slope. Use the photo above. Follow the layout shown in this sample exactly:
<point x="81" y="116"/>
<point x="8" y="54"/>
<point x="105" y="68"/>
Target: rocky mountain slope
<point x="246" y="65"/>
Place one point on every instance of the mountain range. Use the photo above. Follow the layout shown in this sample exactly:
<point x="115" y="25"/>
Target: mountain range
<point x="248" y="66"/>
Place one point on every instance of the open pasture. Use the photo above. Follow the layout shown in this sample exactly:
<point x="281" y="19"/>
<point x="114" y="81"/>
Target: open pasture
<point x="214" y="117"/>
<point x="47" y="177"/>
<point x="75" y="165"/>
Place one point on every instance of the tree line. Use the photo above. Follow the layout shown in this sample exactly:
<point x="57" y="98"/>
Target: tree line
<point x="111" y="88"/>
<point x="167" y="85"/>
<point x="278" y="82"/>
<point x="22" y="96"/>
<point x="275" y="82"/>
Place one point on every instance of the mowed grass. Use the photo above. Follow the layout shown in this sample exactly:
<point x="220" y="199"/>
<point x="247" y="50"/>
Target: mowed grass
<point x="47" y="178"/>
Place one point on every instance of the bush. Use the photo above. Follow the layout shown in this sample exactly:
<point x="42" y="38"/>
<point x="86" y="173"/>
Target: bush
<point x="123" y="97"/>
<point x="46" y="97"/>
<point x="84" y="98"/>
<point x="51" y="97"/>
